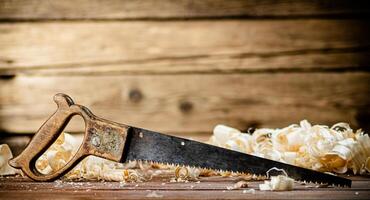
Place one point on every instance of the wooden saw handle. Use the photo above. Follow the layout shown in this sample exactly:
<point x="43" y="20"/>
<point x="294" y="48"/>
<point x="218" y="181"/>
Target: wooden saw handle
<point x="102" y="138"/>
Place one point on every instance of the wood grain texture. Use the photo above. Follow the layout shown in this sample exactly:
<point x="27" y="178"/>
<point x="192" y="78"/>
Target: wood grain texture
<point x="192" y="103"/>
<point x="308" y="61"/>
<point x="167" y="9"/>
<point x="183" y="47"/>
<point x="208" y="187"/>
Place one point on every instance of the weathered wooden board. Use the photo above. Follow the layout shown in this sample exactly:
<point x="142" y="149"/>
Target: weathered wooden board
<point x="167" y="9"/>
<point x="308" y="61"/>
<point x="182" y="46"/>
<point x="192" y="103"/>
<point x="208" y="187"/>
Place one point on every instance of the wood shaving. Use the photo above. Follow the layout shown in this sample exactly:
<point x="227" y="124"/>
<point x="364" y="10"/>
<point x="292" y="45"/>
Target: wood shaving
<point x="5" y="156"/>
<point x="240" y="184"/>
<point x="278" y="183"/>
<point x="186" y="173"/>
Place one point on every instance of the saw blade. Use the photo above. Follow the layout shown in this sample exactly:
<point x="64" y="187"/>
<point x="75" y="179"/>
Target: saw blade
<point x="151" y="146"/>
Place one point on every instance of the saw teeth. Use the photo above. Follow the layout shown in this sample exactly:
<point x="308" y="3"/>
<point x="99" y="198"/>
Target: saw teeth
<point x="221" y="171"/>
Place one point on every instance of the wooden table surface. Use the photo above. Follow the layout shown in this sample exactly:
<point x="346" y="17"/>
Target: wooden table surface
<point x="162" y="188"/>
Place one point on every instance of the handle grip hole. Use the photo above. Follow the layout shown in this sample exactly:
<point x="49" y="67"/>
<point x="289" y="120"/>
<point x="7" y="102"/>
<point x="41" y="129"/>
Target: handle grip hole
<point x="63" y="149"/>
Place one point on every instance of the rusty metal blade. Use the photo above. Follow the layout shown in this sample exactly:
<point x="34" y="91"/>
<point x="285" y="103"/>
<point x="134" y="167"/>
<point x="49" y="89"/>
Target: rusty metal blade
<point x="147" y="145"/>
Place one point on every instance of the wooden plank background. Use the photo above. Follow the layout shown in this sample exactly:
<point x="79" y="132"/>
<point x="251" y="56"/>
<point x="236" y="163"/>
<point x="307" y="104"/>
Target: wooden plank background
<point x="182" y="67"/>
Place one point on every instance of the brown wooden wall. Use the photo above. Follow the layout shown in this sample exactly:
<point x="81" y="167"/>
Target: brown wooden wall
<point x="184" y="66"/>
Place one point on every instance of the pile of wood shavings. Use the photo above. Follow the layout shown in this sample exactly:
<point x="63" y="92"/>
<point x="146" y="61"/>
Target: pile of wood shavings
<point x="337" y="149"/>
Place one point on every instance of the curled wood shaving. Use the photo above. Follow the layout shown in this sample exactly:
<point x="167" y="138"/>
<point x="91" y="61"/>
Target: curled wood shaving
<point x="278" y="183"/>
<point x="184" y="174"/>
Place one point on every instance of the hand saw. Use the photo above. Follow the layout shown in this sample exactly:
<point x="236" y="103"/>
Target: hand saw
<point x="121" y="143"/>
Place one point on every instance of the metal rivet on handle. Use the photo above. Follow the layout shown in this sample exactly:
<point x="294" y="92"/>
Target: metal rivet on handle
<point x="95" y="141"/>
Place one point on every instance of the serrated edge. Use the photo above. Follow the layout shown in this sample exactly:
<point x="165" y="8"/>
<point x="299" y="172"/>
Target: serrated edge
<point x="237" y="172"/>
